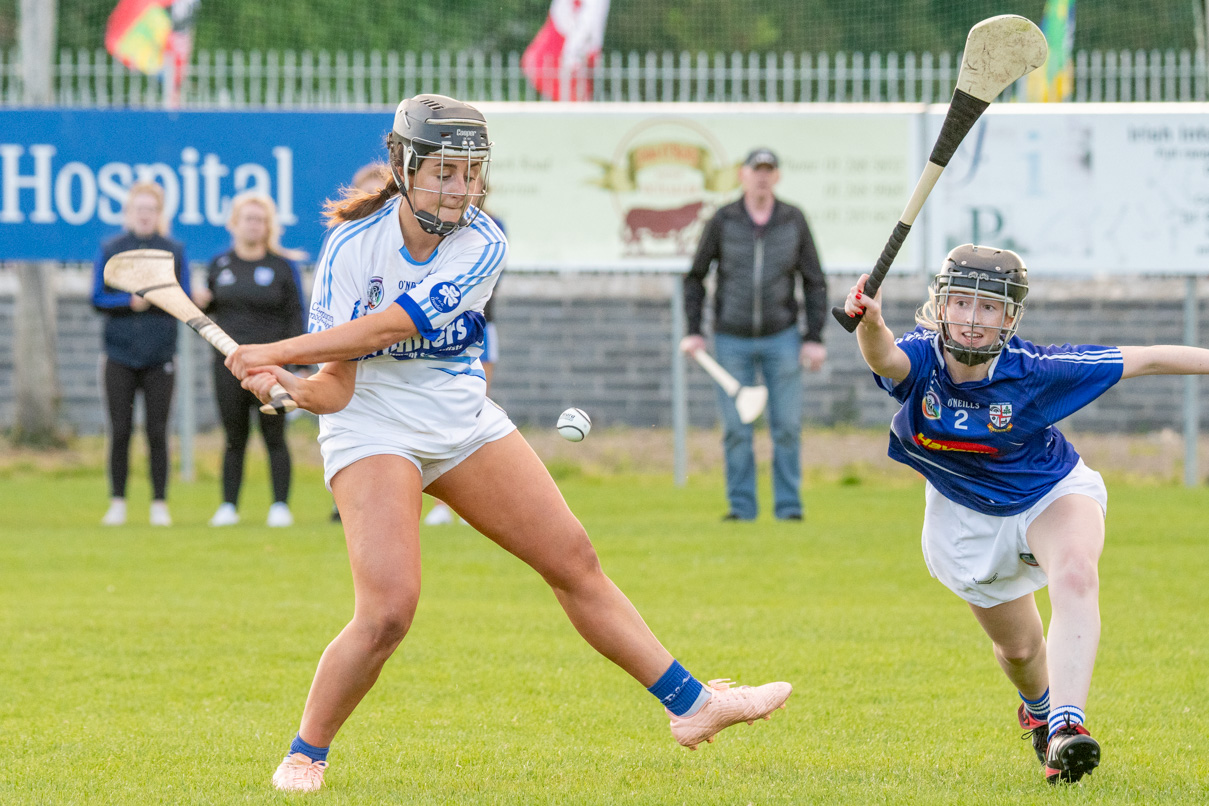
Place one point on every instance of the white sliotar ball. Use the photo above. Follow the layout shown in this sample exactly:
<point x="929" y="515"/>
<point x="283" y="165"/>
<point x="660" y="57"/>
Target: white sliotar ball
<point x="574" y="424"/>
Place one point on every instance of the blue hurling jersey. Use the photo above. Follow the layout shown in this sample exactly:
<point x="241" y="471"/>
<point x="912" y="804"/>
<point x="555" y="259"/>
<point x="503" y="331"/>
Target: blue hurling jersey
<point x="991" y="445"/>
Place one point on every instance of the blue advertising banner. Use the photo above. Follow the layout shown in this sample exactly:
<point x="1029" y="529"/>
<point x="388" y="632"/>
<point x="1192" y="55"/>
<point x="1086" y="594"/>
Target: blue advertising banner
<point x="64" y="173"/>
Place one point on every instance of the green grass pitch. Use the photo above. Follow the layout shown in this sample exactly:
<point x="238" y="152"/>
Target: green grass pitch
<point x="146" y="665"/>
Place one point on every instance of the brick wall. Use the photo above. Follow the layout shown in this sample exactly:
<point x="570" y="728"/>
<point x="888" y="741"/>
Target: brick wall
<point x="603" y="343"/>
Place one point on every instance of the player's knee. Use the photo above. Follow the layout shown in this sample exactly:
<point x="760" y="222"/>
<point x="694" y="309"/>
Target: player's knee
<point x="576" y="562"/>
<point x="1075" y="576"/>
<point x="386" y="625"/>
<point x="1020" y="653"/>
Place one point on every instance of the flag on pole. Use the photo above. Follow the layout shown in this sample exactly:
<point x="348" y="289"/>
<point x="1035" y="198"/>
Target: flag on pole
<point x="153" y="36"/>
<point x="1055" y="80"/>
<point x="137" y="33"/>
<point x="559" y="60"/>
<point x="180" y="45"/>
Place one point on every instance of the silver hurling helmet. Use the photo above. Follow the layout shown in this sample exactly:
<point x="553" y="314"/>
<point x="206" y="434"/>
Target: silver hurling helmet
<point x="436" y="127"/>
<point x="980" y="272"/>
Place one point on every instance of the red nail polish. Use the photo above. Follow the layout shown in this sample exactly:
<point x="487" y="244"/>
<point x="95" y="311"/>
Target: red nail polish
<point x="858" y="296"/>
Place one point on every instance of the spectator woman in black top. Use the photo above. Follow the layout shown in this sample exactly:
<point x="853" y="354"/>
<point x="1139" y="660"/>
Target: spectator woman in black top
<point x="254" y="293"/>
<point x="139" y="348"/>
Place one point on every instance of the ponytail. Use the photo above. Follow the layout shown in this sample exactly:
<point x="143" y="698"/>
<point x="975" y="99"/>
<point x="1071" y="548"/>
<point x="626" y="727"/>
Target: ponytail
<point x="355" y="204"/>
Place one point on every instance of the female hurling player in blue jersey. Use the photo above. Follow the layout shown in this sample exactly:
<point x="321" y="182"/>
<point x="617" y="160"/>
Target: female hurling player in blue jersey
<point x="396" y="321"/>
<point x="1010" y="506"/>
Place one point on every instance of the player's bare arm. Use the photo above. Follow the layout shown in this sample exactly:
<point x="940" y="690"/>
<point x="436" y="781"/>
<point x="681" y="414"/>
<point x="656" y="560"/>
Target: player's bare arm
<point x="1164" y="359"/>
<point x="341" y="343"/>
<point x="875" y="339"/>
<point x="327" y="391"/>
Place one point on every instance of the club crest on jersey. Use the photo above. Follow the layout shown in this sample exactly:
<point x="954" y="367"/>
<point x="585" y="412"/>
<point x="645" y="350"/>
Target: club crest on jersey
<point x="263" y="276"/>
<point x="225" y="277"/>
<point x="376" y="293"/>
<point x="1001" y="417"/>
<point x="931" y="405"/>
<point x="1029" y="559"/>
<point x="445" y="297"/>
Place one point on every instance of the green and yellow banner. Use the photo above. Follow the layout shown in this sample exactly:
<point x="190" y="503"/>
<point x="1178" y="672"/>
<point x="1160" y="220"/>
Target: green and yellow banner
<point x="1055" y="80"/>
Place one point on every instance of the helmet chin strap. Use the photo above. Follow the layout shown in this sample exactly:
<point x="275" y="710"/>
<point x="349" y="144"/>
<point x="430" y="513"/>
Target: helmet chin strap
<point x="968" y="357"/>
<point x="430" y="223"/>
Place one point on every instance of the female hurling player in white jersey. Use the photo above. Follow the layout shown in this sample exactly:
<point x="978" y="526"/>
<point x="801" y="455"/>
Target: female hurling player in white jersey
<point x="396" y="321"/>
<point x="1010" y="506"/>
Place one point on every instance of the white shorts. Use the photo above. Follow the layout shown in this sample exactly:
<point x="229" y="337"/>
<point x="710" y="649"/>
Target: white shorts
<point x="491" y="345"/>
<point x="343" y="448"/>
<point x="985" y="559"/>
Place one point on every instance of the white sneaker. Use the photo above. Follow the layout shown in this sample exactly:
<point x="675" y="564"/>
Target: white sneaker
<point x="159" y="514"/>
<point x="279" y="515"/>
<point x="116" y="514"/>
<point x="225" y="515"/>
<point x="439" y="515"/>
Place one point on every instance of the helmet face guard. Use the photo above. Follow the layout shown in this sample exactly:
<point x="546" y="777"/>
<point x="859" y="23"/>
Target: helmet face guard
<point x="979" y="273"/>
<point x="436" y="130"/>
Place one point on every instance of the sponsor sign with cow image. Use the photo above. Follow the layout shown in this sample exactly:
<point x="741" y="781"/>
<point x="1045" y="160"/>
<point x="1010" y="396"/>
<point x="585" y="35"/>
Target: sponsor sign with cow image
<point x="667" y="177"/>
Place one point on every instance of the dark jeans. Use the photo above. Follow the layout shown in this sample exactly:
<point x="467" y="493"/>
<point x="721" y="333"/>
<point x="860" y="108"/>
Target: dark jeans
<point x="775" y="359"/>
<point x="121" y="382"/>
<point x="235" y="406"/>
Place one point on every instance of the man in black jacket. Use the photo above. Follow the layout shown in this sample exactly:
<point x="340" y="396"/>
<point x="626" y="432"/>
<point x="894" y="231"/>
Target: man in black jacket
<point x="761" y="246"/>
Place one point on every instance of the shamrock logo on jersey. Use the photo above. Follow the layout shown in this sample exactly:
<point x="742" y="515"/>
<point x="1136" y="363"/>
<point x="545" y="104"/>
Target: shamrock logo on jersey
<point x="445" y="297"/>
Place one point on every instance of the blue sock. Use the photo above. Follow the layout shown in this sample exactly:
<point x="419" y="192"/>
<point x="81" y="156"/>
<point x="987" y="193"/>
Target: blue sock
<point x="310" y="751"/>
<point x="1064" y="716"/>
<point x="679" y="691"/>
<point x="1039" y="707"/>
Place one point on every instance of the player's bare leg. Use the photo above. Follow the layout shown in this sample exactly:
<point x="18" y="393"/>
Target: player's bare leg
<point x="1018" y="638"/>
<point x="379" y="501"/>
<point x="1067" y="540"/>
<point x="541" y="530"/>
<point x="505" y="492"/>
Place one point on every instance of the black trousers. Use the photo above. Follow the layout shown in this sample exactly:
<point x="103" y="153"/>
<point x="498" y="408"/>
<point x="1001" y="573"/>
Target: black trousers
<point x="121" y="383"/>
<point x="235" y="406"/>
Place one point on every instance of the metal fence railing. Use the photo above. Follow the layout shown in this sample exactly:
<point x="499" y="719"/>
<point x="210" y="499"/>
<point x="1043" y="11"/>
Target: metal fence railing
<point x="327" y="80"/>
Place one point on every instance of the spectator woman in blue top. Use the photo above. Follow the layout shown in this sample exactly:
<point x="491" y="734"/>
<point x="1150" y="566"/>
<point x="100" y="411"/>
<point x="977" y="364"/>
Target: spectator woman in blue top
<point x="139" y="351"/>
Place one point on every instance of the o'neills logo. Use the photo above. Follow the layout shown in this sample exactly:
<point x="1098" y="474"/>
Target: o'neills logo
<point x="666" y="177"/>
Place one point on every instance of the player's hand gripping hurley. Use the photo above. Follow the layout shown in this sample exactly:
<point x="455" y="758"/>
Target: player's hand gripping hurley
<point x="998" y="52"/>
<point x="148" y="273"/>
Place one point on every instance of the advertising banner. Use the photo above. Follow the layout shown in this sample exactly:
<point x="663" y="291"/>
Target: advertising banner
<point x="1081" y="189"/>
<point x="64" y="173"/>
<point x="1088" y="188"/>
<point x="581" y="186"/>
<point x="630" y="188"/>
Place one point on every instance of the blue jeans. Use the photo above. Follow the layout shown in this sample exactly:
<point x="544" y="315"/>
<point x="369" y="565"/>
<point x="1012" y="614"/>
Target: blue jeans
<point x="776" y="358"/>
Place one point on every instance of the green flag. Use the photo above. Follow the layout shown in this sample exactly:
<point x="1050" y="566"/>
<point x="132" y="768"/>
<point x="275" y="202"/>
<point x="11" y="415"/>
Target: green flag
<point x="1055" y="80"/>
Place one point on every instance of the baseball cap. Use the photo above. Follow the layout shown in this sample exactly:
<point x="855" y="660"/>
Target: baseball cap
<point x="761" y="156"/>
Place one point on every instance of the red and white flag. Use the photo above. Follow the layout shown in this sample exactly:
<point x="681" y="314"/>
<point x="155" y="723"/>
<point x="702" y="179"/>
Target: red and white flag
<point x="560" y="58"/>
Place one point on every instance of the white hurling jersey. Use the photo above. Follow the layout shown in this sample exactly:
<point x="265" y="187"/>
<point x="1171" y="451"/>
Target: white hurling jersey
<point x="425" y="392"/>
